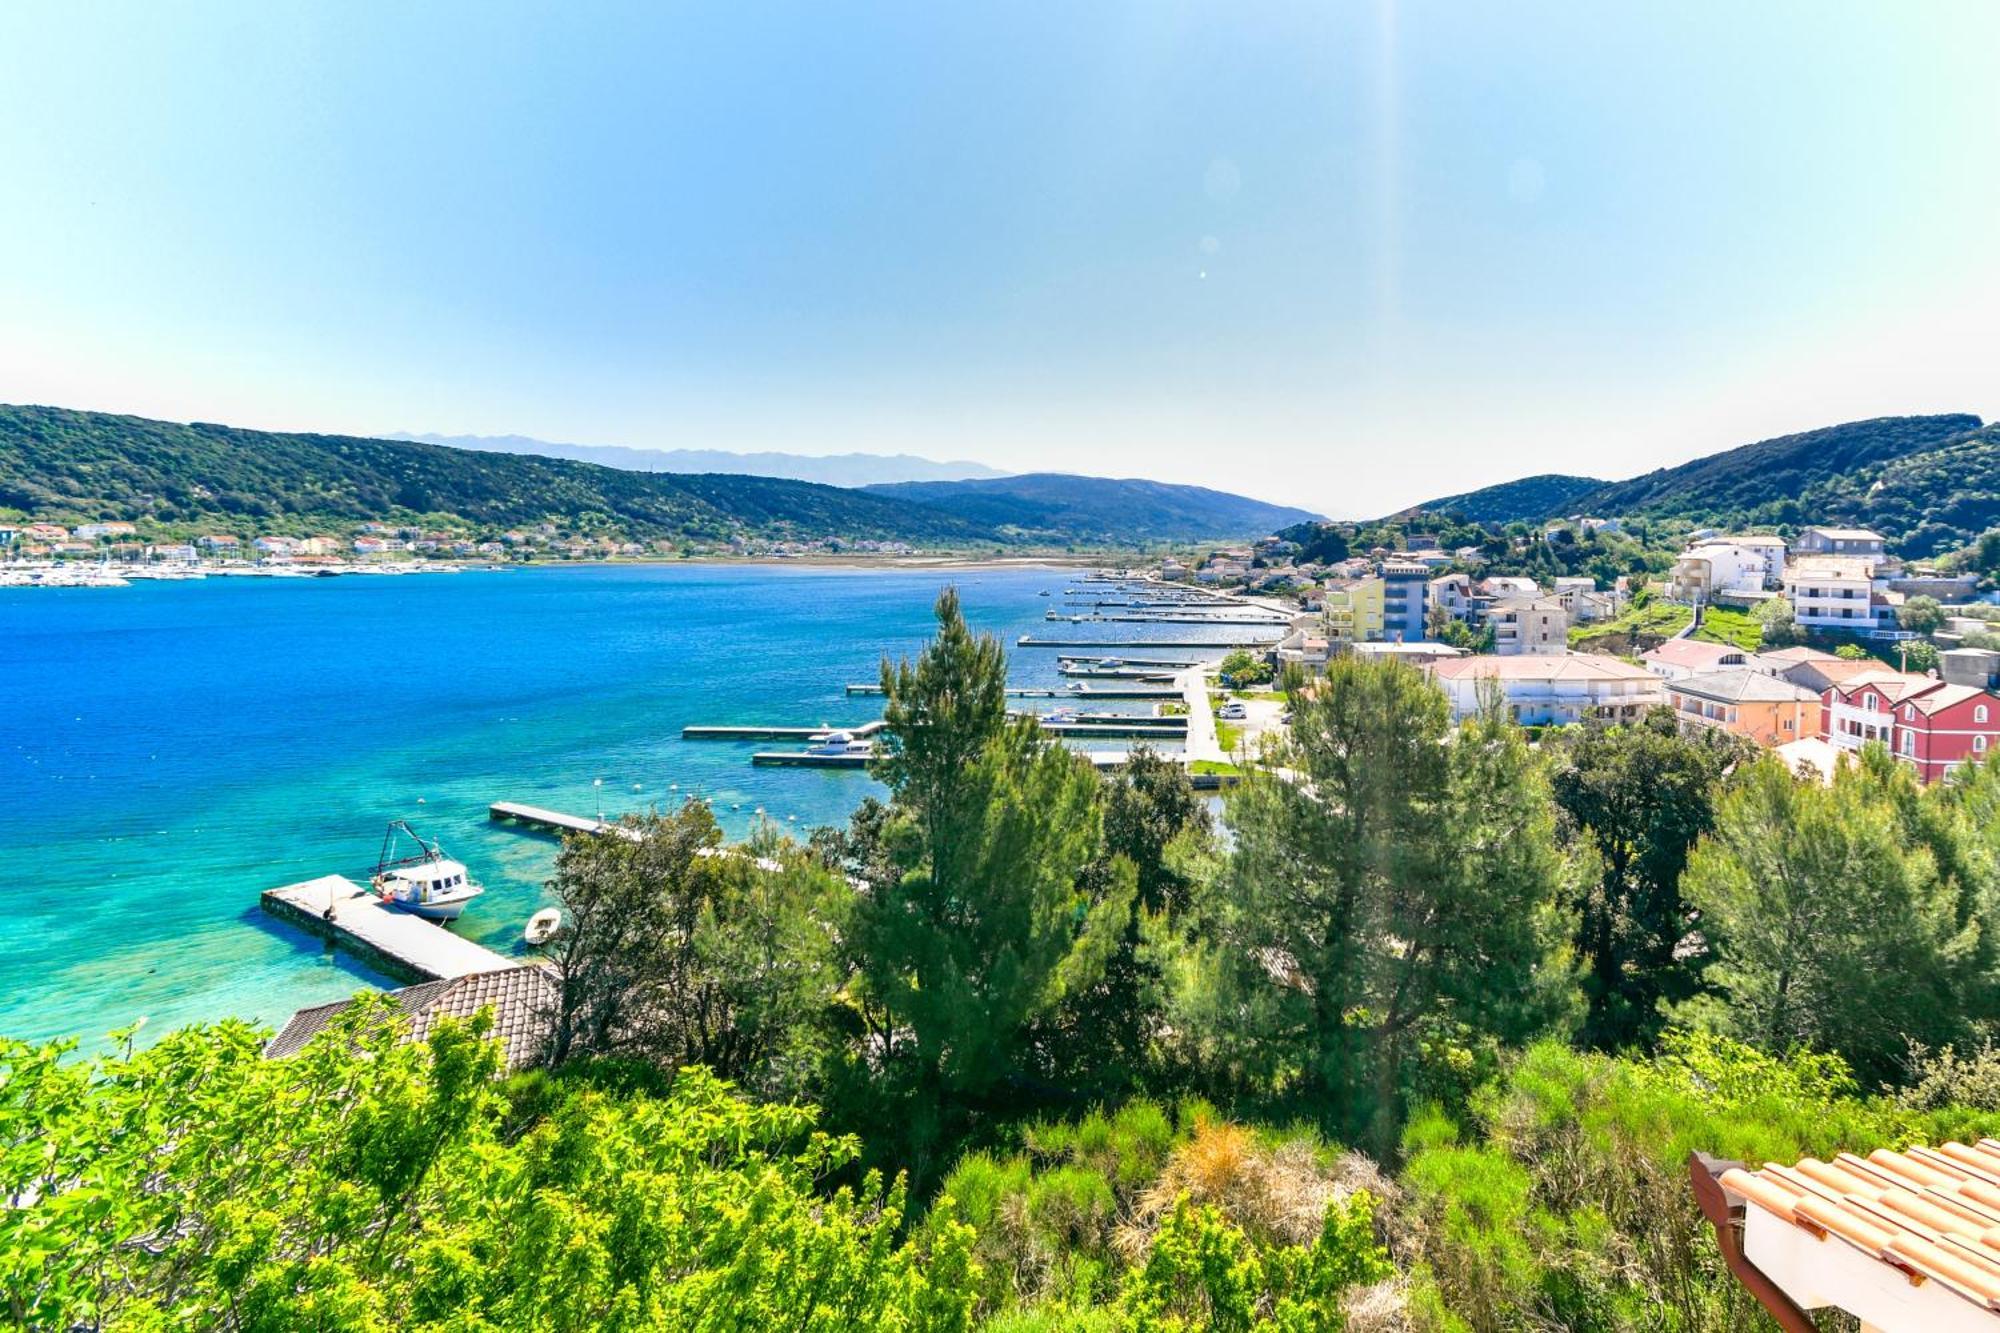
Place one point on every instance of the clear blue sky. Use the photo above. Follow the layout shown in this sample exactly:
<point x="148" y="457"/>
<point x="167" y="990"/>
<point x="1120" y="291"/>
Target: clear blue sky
<point x="1348" y="255"/>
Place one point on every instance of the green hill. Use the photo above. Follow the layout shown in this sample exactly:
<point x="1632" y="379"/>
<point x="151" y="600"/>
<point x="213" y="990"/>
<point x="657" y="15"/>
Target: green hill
<point x="1054" y="506"/>
<point x="1927" y="483"/>
<point x="1528" y="499"/>
<point x="66" y="465"/>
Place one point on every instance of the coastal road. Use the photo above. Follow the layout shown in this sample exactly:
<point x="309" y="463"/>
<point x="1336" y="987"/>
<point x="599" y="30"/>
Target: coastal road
<point x="1201" y="740"/>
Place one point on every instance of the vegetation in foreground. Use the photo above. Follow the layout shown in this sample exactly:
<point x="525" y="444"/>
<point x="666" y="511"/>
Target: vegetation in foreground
<point x="1421" y="1044"/>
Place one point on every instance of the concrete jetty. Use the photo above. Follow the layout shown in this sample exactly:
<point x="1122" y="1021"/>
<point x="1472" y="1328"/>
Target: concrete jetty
<point x="806" y="759"/>
<point x="552" y="821"/>
<point x="1029" y="641"/>
<point x="863" y="688"/>
<point x="860" y="731"/>
<point x="392" y="942"/>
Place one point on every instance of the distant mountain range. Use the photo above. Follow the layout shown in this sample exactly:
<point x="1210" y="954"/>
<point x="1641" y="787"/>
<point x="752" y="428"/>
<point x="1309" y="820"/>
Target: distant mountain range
<point x="1055" y="506"/>
<point x="1928" y="483"/>
<point x="830" y="470"/>
<point x="67" y="465"/>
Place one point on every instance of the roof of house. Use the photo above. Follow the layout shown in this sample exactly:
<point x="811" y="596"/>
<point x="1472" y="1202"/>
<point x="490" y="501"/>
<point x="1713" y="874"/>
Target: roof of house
<point x="518" y="997"/>
<point x="1822" y="755"/>
<point x="1755" y="539"/>
<point x="1741" y="685"/>
<point x="1829" y="567"/>
<point x="1571" y="666"/>
<point x="1799" y="654"/>
<point x="1695" y="654"/>
<point x="1892" y="685"/>
<point x="1848" y="534"/>
<point x="1413" y="648"/>
<point x="1914" y="1216"/>
<point x="1947" y="696"/>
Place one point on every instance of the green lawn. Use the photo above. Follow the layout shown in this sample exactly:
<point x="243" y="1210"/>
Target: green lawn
<point x="1227" y="734"/>
<point x="1212" y="766"/>
<point x="1722" y="624"/>
<point x="1655" y="620"/>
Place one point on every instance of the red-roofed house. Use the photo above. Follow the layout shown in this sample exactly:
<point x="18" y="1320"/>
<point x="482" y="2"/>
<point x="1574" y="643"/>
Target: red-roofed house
<point x="1929" y="724"/>
<point x="1692" y="657"/>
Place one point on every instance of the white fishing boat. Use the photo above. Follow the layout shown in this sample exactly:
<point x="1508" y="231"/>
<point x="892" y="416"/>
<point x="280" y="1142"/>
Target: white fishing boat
<point x="427" y="883"/>
<point x="543" y="925"/>
<point x="841" y="743"/>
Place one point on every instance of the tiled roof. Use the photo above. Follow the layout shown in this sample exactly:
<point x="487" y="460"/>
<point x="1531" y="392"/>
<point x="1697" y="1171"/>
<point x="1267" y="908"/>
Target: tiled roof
<point x="1694" y="654"/>
<point x="1927" y="1214"/>
<point x="517" y="996"/>
<point x="1893" y="685"/>
<point x="1848" y="534"/>
<point x="1742" y="686"/>
<point x="1946" y="696"/>
<point x="1574" y="666"/>
<point x="1800" y="654"/>
<point x="1850" y="567"/>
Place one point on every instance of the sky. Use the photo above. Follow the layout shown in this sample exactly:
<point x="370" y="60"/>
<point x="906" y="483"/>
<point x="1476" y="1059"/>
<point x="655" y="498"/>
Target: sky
<point x="1345" y="256"/>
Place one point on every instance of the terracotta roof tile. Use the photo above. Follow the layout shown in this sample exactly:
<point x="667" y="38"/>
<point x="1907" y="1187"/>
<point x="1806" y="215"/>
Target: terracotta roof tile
<point x="1695" y="654"/>
<point x="1925" y="1213"/>
<point x="518" y="997"/>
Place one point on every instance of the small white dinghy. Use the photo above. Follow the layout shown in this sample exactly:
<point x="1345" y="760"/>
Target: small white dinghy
<point x="542" y="926"/>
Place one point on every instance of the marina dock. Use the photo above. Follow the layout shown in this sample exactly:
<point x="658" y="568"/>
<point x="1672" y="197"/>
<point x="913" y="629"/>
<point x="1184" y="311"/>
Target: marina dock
<point x="394" y="943"/>
<point x="549" y="821"/>
<point x="1029" y="641"/>
<point x="860" y="731"/>
<point x="858" y="689"/>
<point x="806" y="759"/>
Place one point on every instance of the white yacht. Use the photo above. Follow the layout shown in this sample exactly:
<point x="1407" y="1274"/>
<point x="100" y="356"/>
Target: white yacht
<point x="841" y="743"/>
<point x="428" y="883"/>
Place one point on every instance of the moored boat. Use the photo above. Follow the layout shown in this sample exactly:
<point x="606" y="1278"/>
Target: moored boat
<point x="427" y="883"/>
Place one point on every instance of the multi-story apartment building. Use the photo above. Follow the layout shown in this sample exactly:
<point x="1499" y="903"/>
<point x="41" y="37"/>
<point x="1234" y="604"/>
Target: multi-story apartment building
<point x="1405" y="589"/>
<point x="1730" y="564"/>
<point x="1932" y="725"/>
<point x="1832" y="592"/>
<point x="1853" y="543"/>
<point x="1528" y="625"/>
<point x="1352" y="610"/>
<point x="1767" y="710"/>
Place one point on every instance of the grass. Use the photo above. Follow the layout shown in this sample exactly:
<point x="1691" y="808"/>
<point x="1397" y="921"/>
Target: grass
<point x="1262" y="696"/>
<point x="1739" y="629"/>
<point x="1227" y="734"/>
<point x="1216" y="767"/>
<point x="1655" y="620"/>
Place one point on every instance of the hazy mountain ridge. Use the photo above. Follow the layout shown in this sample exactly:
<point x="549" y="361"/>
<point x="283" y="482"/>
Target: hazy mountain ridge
<point x="1059" y="506"/>
<point x="850" y="469"/>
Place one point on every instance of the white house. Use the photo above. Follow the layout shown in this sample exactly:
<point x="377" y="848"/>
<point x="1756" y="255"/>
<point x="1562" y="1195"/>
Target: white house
<point x="1832" y="592"/>
<point x="1677" y="659"/>
<point x="1729" y="564"/>
<point x="1542" y="690"/>
<point x="1536" y="625"/>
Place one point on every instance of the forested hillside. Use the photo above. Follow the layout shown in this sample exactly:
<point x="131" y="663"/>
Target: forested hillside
<point x="1928" y="483"/>
<point x="61" y="464"/>
<point x="1054" y="505"/>
<point x="1527" y="500"/>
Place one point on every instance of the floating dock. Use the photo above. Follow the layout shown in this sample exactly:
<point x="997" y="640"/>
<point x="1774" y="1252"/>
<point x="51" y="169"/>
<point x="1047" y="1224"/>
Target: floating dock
<point x="1093" y="693"/>
<point x="1165" y="662"/>
<point x="860" y="731"/>
<point x="1029" y="641"/>
<point x="1168" y="619"/>
<point x="552" y="821"/>
<point x="1011" y="694"/>
<point x="805" y="759"/>
<point x="1126" y="731"/>
<point x="394" y="943"/>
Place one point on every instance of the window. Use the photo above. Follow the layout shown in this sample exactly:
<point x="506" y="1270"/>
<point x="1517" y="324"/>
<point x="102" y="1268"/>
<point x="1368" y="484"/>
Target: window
<point x="1909" y="742"/>
<point x="1909" y="712"/>
<point x="1868" y="702"/>
<point x="1979" y="744"/>
<point x="1979" y="713"/>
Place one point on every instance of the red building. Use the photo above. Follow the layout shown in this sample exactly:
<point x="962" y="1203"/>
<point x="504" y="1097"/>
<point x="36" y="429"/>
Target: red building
<point x="1930" y="725"/>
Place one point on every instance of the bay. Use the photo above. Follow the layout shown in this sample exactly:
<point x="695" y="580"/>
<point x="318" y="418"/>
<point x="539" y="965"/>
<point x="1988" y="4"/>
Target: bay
<point x="168" y="751"/>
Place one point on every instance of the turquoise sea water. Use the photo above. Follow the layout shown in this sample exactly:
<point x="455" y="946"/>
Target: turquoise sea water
<point x="167" y="751"/>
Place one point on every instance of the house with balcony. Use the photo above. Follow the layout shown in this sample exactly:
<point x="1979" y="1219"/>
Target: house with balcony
<point x="1544" y="690"/>
<point x="1405" y="600"/>
<point x="1833" y="593"/>
<point x="1677" y="658"/>
<point x="1930" y="724"/>
<point x="1352" y="610"/>
<point x="1845" y="543"/>
<point x="1763" y="709"/>
<point x="1729" y="564"/>
<point x="1528" y="625"/>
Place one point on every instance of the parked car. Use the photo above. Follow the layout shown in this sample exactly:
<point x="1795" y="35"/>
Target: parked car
<point x="1232" y="712"/>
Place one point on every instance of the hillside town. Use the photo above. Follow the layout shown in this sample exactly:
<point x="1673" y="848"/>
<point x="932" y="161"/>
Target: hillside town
<point x="1812" y="645"/>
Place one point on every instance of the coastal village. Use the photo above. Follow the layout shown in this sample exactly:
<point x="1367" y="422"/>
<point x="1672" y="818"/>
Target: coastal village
<point x="1821" y="638"/>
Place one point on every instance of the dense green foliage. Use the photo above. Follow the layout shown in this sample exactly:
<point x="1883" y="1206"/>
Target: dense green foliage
<point x="371" y="1185"/>
<point x="1421" y="1044"/>
<point x="1930" y="484"/>
<point x="1055" y="506"/>
<point x="59" y="464"/>
<point x="1527" y="500"/>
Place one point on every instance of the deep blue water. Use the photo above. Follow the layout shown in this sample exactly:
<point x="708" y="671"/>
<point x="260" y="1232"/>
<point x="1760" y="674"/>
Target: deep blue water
<point x="167" y="751"/>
